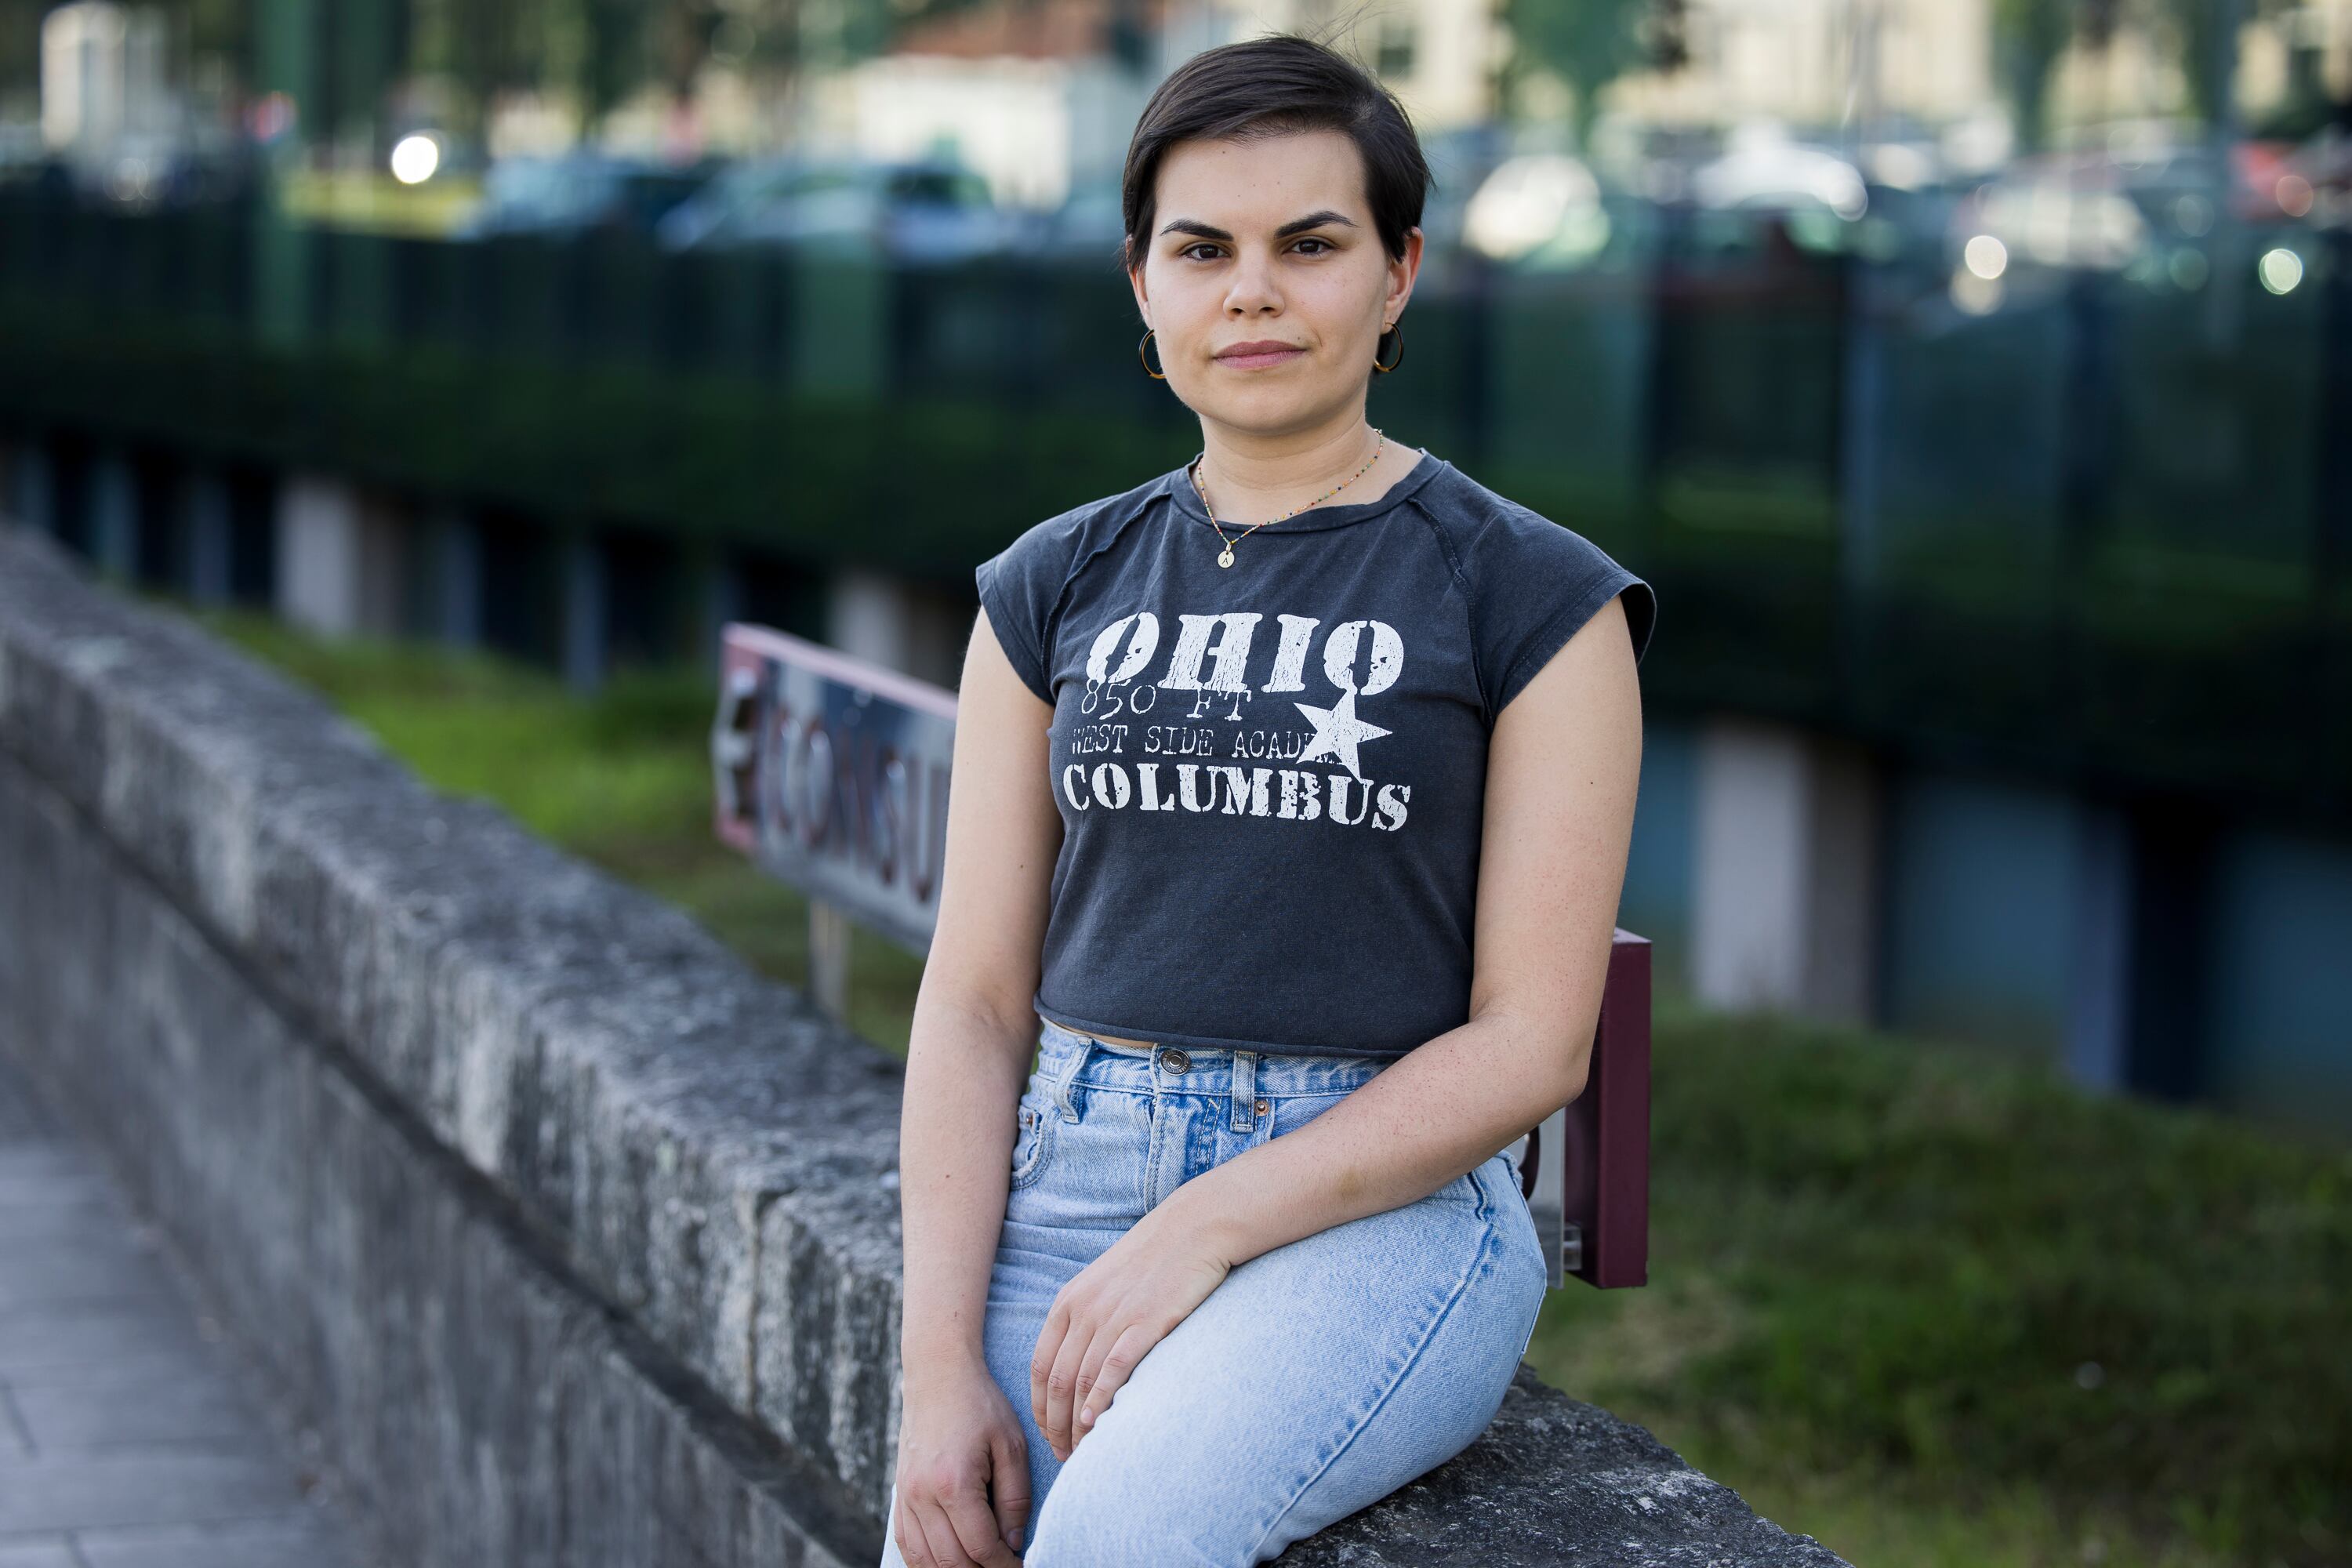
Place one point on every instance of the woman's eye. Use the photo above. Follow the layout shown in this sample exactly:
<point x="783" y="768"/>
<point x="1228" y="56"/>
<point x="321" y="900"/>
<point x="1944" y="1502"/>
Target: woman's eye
<point x="1203" y="245"/>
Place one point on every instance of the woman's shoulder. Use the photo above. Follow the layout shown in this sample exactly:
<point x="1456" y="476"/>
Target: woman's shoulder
<point x="1496" y="538"/>
<point x="1531" y="581"/>
<point x="1021" y="586"/>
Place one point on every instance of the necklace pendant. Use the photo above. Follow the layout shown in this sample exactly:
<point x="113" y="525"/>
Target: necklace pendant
<point x="1225" y="556"/>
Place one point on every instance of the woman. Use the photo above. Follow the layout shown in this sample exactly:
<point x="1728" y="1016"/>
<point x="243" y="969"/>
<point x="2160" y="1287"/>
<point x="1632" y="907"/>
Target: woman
<point x="1248" y="1252"/>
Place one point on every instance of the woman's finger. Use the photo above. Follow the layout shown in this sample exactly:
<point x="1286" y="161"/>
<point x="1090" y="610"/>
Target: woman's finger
<point x="1062" y="1384"/>
<point x="1132" y="1345"/>
<point x="909" y="1535"/>
<point x="1061" y="1394"/>
<point x="976" y="1532"/>
<point x="1008" y="1450"/>
<point x="1041" y="1368"/>
<point x="939" y="1546"/>
<point x="915" y="1544"/>
<point x="1090" y="1372"/>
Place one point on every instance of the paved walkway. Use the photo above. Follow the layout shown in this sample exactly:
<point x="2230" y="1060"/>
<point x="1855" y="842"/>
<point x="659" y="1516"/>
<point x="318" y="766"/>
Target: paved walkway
<point x="127" y="1438"/>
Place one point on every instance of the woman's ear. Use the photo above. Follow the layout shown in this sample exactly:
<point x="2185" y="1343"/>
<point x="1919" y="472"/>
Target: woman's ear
<point x="1403" y="271"/>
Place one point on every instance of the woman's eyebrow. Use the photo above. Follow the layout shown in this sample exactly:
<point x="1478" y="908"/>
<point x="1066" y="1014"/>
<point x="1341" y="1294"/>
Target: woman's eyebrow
<point x="1200" y="230"/>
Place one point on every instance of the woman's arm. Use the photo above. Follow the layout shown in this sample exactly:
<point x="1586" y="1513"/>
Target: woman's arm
<point x="969" y="1053"/>
<point x="1563" y="763"/>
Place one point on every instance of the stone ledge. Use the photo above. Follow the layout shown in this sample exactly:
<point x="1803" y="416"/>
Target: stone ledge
<point x="707" y="1154"/>
<point x="480" y="1402"/>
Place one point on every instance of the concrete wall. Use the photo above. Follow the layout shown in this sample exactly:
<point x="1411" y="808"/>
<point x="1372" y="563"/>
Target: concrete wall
<point x="576" y="1241"/>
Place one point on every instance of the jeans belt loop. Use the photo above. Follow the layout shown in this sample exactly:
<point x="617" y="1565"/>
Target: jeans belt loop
<point x="1070" y="1070"/>
<point x="1245" y="1095"/>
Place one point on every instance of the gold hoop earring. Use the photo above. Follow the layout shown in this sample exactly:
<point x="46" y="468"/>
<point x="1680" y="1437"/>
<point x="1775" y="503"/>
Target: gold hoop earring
<point x="1154" y="375"/>
<point x="1398" y="330"/>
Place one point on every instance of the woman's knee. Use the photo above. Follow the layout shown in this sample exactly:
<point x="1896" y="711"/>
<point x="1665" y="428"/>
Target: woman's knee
<point x="1108" y="1516"/>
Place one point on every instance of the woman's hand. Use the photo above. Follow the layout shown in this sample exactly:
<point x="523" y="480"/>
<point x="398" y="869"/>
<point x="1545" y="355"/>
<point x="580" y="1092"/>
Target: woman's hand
<point x="1111" y="1314"/>
<point x="960" y="1450"/>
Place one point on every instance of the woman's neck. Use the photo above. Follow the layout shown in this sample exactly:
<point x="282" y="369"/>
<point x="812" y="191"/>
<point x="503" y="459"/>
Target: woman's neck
<point x="1253" y="486"/>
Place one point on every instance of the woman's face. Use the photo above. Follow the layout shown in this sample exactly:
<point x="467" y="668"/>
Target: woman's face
<point x="1268" y="241"/>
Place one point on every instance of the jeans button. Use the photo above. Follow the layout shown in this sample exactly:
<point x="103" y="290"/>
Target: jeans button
<point x="1174" y="1060"/>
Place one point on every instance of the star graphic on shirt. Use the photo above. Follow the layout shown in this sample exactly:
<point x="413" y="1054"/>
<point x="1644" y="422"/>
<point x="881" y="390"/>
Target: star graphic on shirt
<point x="1338" y="732"/>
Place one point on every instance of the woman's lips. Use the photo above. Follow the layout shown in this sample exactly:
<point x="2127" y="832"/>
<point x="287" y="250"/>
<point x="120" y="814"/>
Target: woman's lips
<point x="1259" y="361"/>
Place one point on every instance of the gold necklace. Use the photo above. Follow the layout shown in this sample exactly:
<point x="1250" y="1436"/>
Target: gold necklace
<point x="1225" y="556"/>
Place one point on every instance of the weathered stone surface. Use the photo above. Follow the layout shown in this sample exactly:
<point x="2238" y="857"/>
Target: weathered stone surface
<point x="576" y="1240"/>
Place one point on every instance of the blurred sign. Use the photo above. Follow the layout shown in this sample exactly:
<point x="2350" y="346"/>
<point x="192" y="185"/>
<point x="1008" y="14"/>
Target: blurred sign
<point x="833" y="773"/>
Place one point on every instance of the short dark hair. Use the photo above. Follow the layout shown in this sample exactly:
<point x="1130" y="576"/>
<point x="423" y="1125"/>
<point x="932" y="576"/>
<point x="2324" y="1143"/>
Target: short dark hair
<point x="1275" y="86"/>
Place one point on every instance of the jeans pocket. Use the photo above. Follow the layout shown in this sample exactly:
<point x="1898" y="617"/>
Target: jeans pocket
<point x="1039" y="1116"/>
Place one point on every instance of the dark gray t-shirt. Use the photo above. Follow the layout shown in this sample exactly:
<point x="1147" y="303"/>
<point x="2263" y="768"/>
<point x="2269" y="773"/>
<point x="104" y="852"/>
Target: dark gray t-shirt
<point x="1272" y="775"/>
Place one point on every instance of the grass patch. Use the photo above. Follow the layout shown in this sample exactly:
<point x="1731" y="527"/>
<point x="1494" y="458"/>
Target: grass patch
<point x="1932" y="1306"/>
<point x="1902" y="1279"/>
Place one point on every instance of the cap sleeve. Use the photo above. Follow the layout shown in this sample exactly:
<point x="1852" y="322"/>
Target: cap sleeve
<point x="1019" y="587"/>
<point x="1538" y="583"/>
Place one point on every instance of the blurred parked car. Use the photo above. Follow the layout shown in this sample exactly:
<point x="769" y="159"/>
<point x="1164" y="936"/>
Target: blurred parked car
<point x="2054" y="210"/>
<point x="2163" y="215"/>
<point x="2185" y="190"/>
<point x="573" y="192"/>
<point x="2314" y="181"/>
<point x="1539" y="211"/>
<point x="1771" y="196"/>
<point x="911" y="210"/>
<point x="1764" y="170"/>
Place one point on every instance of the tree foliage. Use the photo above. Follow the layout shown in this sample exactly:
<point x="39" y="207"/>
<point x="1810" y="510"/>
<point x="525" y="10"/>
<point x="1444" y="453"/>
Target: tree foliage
<point x="1588" y="44"/>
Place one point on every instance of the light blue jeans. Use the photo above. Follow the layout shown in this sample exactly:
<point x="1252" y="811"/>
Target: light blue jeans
<point x="1316" y="1378"/>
